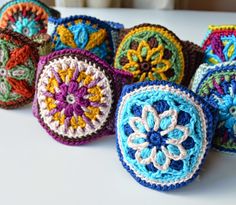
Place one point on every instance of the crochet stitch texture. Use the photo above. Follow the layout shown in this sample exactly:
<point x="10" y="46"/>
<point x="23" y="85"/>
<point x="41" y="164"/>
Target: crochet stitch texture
<point x="85" y="32"/>
<point x="217" y="84"/>
<point x="75" y="96"/>
<point x="219" y="44"/>
<point x="152" y="52"/>
<point x="18" y="57"/>
<point x="28" y="17"/>
<point x="163" y="133"/>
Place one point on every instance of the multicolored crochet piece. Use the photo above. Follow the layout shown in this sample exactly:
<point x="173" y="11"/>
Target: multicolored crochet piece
<point x="163" y="133"/>
<point x="152" y="52"/>
<point x="28" y="17"/>
<point x="85" y="32"/>
<point x="76" y="94"/>
<point x="220" y="44"/>
<point x="217" y="84"/>
<point x="18" y="60"/>
<point x="44" y="43"/>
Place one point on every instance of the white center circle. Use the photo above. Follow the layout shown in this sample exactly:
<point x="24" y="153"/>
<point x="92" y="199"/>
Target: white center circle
<point x="70" y="99"/>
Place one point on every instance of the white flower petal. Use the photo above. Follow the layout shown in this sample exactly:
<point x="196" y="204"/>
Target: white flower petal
<point x="170" y="155"/>
<point x="173" y="114"/>
<point x="163" y="167"/>
<point x="133" y="123"/>
<point x="183" y="138"/>
<point x="153" y="111"/>
<point x="178" y="144"/>
<point x="147" y="160"/>
<point x="136" y="146"/>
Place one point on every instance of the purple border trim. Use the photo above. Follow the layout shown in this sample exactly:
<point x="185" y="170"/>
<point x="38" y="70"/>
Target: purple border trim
<point x="119" y="79"/>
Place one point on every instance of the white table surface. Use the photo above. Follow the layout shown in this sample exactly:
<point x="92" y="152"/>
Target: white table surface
<point x="36" y="170"/>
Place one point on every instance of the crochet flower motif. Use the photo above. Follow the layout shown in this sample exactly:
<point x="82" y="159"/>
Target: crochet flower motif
<point x="26" y="26"/>
<point x="82" y="36"/>
<point x="71" y="98"/>
<point x="222" y="49"/>
<point x="155" y="140"/>
<point x="74" y="101"/>
<point x="227" y="116"/>
<point x="74" y="97"/>
<point x="146" y="61"/>
<point x="16" y="73"/>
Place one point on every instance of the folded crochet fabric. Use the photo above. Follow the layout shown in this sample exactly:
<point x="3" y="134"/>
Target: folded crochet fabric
<point x="76" y="95"/>
<point x="217" y="85"/>
<point x="152" y="52"/>
<point x="163" y="133"/>
<point x="85" y="32"/>
<point x="219" y="44"/>
<point x="28" y="17"/>
<point x="18" y="61"/>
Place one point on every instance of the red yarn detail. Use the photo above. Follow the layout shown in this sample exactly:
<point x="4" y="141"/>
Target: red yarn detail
<point x="43" y="31"/>
<point x="21" y="87"/>
<point x="219" y="32"/>
<point x="11" y="19"/>
<point x="24" y="12"/>
<point x="18" y="56"/>
<point x="37" y="18"/>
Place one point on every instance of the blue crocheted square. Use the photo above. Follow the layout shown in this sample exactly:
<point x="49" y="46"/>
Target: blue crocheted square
<point x="163" y="133"/>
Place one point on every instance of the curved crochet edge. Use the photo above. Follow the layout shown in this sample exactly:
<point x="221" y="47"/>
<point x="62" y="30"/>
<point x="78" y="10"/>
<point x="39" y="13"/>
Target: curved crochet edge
<point x="210" y="113"/>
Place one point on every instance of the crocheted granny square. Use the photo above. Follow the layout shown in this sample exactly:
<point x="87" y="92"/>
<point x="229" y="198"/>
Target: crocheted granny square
<point x="85" y="32"/>
<point x="18" y="60"/>
<point x="152" y="52"/>
<point x="76" y="94"/>
<point x="28" y="17"/>
<point x="219" y="44"/>
<point x="218" y="86"/>
<point x="163" y="133"/>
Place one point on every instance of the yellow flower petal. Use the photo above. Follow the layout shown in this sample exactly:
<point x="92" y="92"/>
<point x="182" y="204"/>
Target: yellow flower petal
<point x="79" y="122"/>
<point x="143" y="44"/>
<point x="142" y="77"/>
<point x="163" y="76"/>
<point x="213" y="61"/>
<point x="96" y="39"/>
<point x="130" y="65"/>
<point x="66" y="36"/>
<point x="131" y="54"/>
<point x="166" y="66"/>
<point x="150" y="75"/>
<point x="58" y="117"/>
<point x="92" y="112"/>
<point x="66" y="74"/>
<point x="157" y="60"/>
<point x="84" y="77"/>
<point x="231" y="51"/>
<point x="50" y="103"/>
<point x="51" y="85"/>
<point x="96" y="94"/>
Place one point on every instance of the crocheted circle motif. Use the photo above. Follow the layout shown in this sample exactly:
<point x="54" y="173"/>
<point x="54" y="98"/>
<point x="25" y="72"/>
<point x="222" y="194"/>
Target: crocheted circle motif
<point x="219" y="44"/>
<point x="151" y="52"/>
<point x="18" y="59"/>
<point x="163" y="133"/>
<point x="27" y="17"/>
<point x="74" y="99"/>
<point x="218" y="87"/>
<point x="83" y="32"/>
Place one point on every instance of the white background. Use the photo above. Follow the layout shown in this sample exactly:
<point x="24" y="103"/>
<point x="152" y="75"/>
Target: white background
<point x="36" y="170"/>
